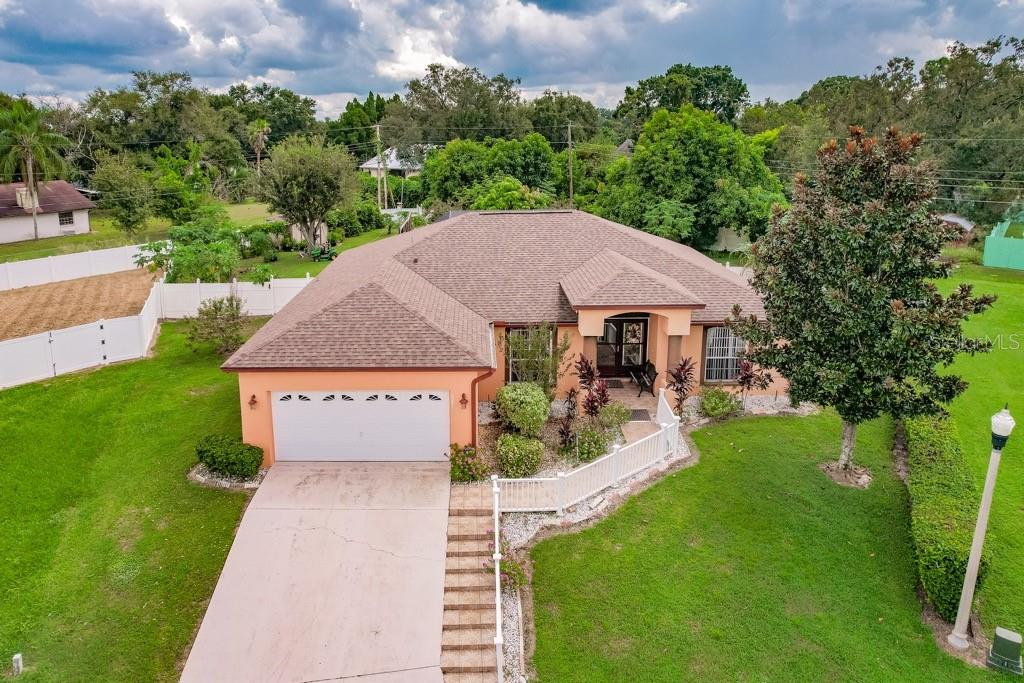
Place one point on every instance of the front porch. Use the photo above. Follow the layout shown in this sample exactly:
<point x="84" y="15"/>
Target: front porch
<point x="625" y="391"/>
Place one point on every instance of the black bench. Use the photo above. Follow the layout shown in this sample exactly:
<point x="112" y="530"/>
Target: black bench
<point x="644" y="376"/>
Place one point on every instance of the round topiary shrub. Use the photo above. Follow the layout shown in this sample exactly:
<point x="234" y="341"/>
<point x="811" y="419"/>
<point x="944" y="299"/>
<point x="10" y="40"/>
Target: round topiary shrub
<point x="229" y="457"/>
<point x="518" y="456"/>
<point x="523" y="406"/>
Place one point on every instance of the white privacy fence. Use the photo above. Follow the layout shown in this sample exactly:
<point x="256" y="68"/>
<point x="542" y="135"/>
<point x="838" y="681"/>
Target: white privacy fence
<point x="57" y="352"/>
<point x="42" y="271"/>
<point x="554" y="494"/>
<point x="179" y="300"/>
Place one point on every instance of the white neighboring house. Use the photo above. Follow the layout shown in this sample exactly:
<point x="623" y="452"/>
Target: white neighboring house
<point x="62" y="210"/>
<point x="392" y="165"/>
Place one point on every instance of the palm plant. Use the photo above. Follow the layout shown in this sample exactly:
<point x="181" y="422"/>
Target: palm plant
<point x="30" y="149"/>
<point x="259" y="132"/>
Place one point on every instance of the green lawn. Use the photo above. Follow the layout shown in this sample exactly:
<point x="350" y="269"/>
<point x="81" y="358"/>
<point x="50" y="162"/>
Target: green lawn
<point x="291" y="264"/>
<point x="995" y="379"/>
<point x="750" y="566"/>
<point x="103" y="235"/>
<point x="108" y="553"/>
<point x="1015" y="230"/>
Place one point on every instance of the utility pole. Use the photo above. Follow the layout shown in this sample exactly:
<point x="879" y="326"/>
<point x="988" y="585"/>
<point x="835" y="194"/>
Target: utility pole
<point x="571" y="198"/>
<point x="380" y="167"/>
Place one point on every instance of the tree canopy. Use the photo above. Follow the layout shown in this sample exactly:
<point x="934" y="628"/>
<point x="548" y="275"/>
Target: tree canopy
<point x="711" y="88"/>
<point x="853" y="318"/>
<point x="691" y="175"/>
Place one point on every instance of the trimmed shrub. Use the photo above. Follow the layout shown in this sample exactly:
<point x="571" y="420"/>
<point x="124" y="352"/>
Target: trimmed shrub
<point x="518" y="456"/>
<point x="218" y="322"/>
<point x="523" y="406"/>
<point x="591" y="444"/>
<point x="229" y="457"/>
<point x="716" y="403"/>
<point x="614" y="415"/>
<point x="466" y="464"/>
<point x="943" y="507"/>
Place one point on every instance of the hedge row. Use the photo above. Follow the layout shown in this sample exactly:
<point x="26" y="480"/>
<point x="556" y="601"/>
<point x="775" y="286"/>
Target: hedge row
<point x="944" y="506"/>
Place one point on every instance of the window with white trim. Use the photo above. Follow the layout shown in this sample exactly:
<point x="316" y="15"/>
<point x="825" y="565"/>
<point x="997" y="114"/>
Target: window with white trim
<point x="721" y="355"/>
<point x="66" y="218"/>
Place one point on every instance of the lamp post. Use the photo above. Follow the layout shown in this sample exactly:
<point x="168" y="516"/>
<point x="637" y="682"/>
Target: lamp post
<point x="1002" y="425"/>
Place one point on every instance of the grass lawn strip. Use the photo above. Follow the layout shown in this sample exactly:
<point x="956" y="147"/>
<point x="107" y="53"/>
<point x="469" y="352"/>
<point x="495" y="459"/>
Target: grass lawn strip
<point x="750" y="566"/>
<point x="31" y="310"/>
<point x="110" y="554"/>
<point x="994" y="379"/>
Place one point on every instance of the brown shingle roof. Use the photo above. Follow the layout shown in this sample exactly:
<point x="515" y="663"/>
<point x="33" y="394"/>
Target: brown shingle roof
<point x="54" y="196"/>
<point x="611" y="279"/>
<point x="426" y="298"/>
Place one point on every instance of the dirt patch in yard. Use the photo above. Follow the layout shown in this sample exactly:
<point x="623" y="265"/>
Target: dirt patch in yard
<point x="31" y="310"/>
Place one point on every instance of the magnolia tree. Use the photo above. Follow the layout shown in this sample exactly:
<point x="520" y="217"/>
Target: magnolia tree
<point x="852" y="317"/>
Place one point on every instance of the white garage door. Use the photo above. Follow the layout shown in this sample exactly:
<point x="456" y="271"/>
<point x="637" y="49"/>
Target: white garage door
<point x="361" y="425"/>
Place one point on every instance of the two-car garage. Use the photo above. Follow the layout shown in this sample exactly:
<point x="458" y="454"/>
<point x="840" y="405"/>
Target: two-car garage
<point x="377" y="425"/>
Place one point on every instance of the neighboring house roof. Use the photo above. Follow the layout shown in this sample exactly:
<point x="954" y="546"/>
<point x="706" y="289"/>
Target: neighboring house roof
<point x="426" y="298"/>
<point x="54" y="196"/>
<point x="392" y="162"/>
<point x="965" y="224"/>
<point x="626" y="147"/>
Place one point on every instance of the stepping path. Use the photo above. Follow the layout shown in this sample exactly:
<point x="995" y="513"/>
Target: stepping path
<point x="468" y="630"/>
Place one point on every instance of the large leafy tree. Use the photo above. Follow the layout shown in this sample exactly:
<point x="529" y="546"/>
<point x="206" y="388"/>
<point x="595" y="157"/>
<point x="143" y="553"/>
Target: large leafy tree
<point x="448" y="103"/>
<point x="462" y="164"/>
<point x="711" y="88"/>
<point x="502" y="193"/>
<point x="125" y="191"/>
<point x="852" y="317"/>
<point x="305" y="179"/>
<point x="29" y="149"/>
<point x="551" y="113"/>
<point x="690" y="176"/>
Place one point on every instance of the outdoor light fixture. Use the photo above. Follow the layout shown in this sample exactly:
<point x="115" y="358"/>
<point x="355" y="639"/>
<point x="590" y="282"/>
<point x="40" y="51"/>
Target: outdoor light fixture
<point x="252" y="402"/>
<point x="463" y="401"/>
<point x="1002" y="425"/>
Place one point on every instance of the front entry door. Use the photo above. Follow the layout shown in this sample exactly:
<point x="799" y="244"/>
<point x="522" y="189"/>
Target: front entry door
<point x="622" y="346"/>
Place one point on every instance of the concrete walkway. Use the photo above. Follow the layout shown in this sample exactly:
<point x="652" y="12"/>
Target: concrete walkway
<point x="337" y="573"/>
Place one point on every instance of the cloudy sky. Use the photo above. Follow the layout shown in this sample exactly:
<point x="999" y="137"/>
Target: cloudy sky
<point x="333" y="49"/>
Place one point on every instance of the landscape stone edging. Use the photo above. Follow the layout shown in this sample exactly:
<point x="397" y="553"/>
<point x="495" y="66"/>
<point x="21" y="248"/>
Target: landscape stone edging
<point x="201" y="475"/>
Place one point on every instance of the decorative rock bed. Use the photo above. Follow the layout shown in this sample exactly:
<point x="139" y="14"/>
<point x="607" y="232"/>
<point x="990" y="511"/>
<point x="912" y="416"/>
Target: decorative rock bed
<point x="201" y="475"/>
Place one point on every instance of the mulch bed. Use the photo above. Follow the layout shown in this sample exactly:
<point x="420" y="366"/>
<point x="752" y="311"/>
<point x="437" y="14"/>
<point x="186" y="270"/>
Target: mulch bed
<point x="31" y="310"/>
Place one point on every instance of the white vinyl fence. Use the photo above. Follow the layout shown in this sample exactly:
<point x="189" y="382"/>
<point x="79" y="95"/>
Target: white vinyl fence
<point x="48" y="354"/>
<point x="42" y="271"/>
<point x="554" y="494"/>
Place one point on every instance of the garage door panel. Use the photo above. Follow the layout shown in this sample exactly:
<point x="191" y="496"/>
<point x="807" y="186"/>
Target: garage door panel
<point x="361" y="425"/>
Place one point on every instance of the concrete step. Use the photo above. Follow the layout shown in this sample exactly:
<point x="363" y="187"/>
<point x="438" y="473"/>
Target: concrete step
<point x="470" y="512"/>
<point x="453" y="619"/>
<point x="467" y="565"/>
<point x="470" y="526"/>
<point x="480" y="578"/>
<point x="468" y="638"/>
<point x="468" y="661"/>
<point x="480" y="599"/>
<point x="472" y="536"/>
<point x="474" y="548"/>
<point x="475" y="677"/>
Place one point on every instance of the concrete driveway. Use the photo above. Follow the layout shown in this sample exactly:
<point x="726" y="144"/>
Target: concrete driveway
<point x="336" y="573"/>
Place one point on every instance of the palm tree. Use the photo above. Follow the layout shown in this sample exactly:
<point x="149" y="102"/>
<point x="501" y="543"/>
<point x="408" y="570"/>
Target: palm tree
<point x="259" y="131"/>
<point x="28" y="147"/>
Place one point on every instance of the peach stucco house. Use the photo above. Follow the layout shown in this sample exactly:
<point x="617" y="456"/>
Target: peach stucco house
<point x="386" y="354"/>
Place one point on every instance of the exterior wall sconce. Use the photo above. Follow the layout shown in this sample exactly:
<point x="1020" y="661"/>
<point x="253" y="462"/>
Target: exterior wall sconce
<point x="463" y="401"/>
<point x="252" y="402"/>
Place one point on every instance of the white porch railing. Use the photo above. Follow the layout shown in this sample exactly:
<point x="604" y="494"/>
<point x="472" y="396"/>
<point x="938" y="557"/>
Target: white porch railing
<point x="554" y="494"/>
<point x="499" y="639"/>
